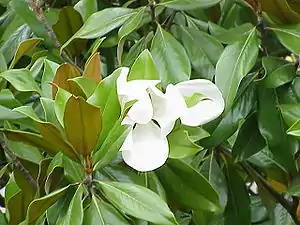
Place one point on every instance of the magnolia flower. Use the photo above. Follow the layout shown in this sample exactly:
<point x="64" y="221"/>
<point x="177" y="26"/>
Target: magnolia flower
<point x="195" y="102"/>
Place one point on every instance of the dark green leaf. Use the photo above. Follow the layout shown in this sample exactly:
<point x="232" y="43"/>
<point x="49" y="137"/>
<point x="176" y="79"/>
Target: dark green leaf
<point x="237" y="211"/>
<point x="188" y="192"/>
<point x="235" y="62"/>
<point x="277" y="72"/>
<point x="189" y="4"/>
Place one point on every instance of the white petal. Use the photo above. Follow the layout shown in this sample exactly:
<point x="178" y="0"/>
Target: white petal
<point x="167" y="108"/>
<point x="128" y="143"/>
<point x="205" y="111"/>
<point x="141" y="111"/>
<point x="150" y="149"/>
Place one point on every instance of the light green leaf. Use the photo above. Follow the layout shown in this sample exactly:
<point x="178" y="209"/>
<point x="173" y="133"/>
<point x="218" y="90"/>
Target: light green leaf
<point x="288" y="36"/>
<point x="170" y="57"/>
<point x="234" y="64"/>
<point x="181" y="146"/>
<point x="132" y="23"/>
<point x="25" y="47"/>
<point x="48" y="75"/>
<point x="110" y="18"/>
<point x="110" y="146"/>
<point x="143" y="68"/>
<point x="86" y="8"/>
<point x="102" y="213"/>
<point x="189" y="4"/>
<point x="138" y="201"/>
<point x="61" y="99"/>
<point x="105" y="96"/>
<point x="21" y="79"/>
<point x="86" y="84"/>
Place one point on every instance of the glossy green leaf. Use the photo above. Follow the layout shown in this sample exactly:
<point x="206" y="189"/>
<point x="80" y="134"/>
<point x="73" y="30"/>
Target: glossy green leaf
<point x="277" y="72"/>
<point x="50" y="69"/>
<point x="138" y="201"/>
<point x="105" y="96"/>
<point x="294" y="129"/>
<point x="83" y="134"/>
<point x="48" y="107"/>
<point x="111" y="145"/>
<point x="21" y="79"/>
<point x="144" y="68"/>
<point x="170" y="57"/>
<point x="102" y="213"/>
<point x="231" y="35"/>
<point x="189" y="4"/>
<point x="24" y="48"/>
<point x="61" y="100"/>
<point x="188" y="193"/>
<point x="205" y="57"/>
<point x="249" y="140"/>
<point x="68" y="24"/>
<point x="86" y="84"/>
<point x="290" y="113"/>
<point x="16" y="209"/>
<point x="110" y="18"/>
<point x="86" y="8"/>
<point x="132" y="23"/>
<point x="49" y="132"/>
<point x="288" y="36"/>
<point x="75" y="211"/>
<point x="8" y="114"/>
<point x="237" y="210"/>
<point x="40" y="205"/>
<point x="234" y="64"/>
<point x="218" y="180"/>
<point x="272" y="128"/>
<point x="12" y="42"/>
<point x="180" y="144"/>
<point x="23" y="10"/>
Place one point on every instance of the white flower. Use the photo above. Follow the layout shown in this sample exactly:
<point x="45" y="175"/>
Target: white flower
<point x="195" y="102"/>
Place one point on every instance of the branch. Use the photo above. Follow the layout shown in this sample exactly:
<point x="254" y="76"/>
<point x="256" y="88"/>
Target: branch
<point x="288" y="205"/>
<point x="35" y="5"/>
<point x="17" y="163"/>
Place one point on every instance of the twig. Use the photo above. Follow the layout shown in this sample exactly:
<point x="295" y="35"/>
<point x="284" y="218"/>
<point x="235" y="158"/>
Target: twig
<point x="17" y="163"/>
<point x="35" y="5"/>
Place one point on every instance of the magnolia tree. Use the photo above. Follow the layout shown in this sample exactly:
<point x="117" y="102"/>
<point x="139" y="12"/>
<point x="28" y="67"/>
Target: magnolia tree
<point x="143" y="112"/>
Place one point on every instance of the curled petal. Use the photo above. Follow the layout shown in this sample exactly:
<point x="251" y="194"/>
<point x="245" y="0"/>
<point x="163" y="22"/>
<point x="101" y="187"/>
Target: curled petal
<point x="167" y="108"/>
<point x="206" y="110"/>
<point x="148" y="148"/>
<point x="141" y="111"/>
